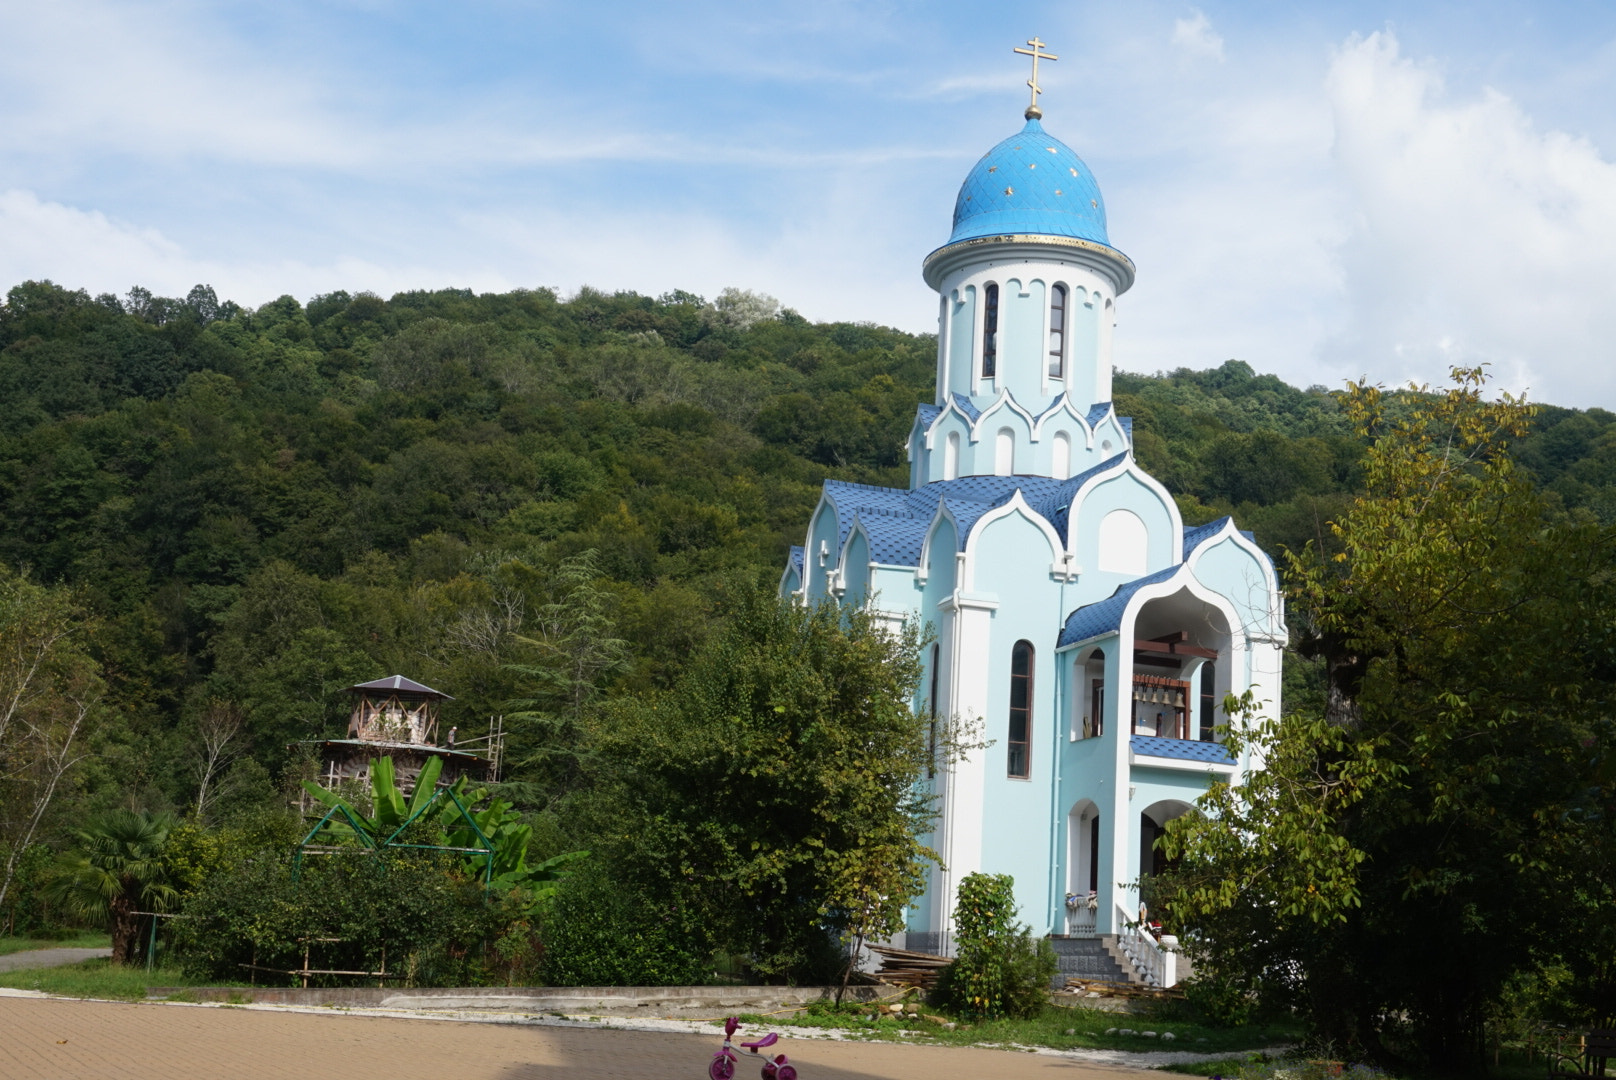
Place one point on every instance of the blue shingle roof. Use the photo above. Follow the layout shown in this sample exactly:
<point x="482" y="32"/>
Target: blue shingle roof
<point x="1182" y="749"/>
<point x="1104" y="617"/>
<point x="796" y="560"/>
<point x="1056" y="504"/>
<point x="966" y="406"/>
<point x="896" y="520"/>
<point x="928" y="413"/>
<point x="895" y="539"/>
<point x="1194" y="537"/>
<point x="1031" y="183"/>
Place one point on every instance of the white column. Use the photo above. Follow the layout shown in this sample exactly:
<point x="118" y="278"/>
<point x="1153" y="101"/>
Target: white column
<point x="1124" y="844"/>
<point x="969" y="639"/>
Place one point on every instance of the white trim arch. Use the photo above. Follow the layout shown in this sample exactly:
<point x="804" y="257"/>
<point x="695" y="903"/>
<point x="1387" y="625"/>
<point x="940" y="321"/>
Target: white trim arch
<point x="943" y="513"/>
<point x="1270" y="577"/>
<point x="1005" y="400"/>
<point x="843" y="566"/>
<point x="1059" y="563"/>
<point x="1063" y="404"/>
<point x="1131" y="468"/>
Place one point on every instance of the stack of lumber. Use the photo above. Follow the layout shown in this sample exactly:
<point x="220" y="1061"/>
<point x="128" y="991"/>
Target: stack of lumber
<point x="1121" y="989"/>
<point x="901" y="967"/>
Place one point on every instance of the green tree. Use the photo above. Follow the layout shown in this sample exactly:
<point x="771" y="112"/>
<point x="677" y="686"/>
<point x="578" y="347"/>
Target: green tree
<point x="775" y="784"/>
<point x="1424" y="831"/>
<point x="116" y="873"/>
<point x="50" y="694"/>
<point x="998" y="970"/>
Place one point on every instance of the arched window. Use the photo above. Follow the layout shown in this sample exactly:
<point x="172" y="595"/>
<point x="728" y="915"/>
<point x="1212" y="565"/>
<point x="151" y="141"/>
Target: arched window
<point x="1209" y="700"/>
<point x="951" y="456"/>
<point x="1019" y="737"/>
<point x="1060" y="456"/>
<point x="1094" y="722"/>
<point x="1057" y="332"/>
<point x="931" y="704"/>
<point x="1004" y="453"/>
<point x="990" y="331"/>
<point x="1124" y="544"/>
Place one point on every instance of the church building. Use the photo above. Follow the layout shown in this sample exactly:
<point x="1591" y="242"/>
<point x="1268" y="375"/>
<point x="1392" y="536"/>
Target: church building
<point x="1086" y="634"/>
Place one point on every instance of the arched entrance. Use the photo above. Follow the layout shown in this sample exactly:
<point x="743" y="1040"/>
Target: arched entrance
<point x="1082" y="868"/>
<point x="1152" y="824"/>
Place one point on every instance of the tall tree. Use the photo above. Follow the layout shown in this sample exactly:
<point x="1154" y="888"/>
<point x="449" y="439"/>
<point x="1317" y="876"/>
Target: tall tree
<point x="50" y="690"/>
<point x="1404" y="850"/>
<point x="770" y="796"/>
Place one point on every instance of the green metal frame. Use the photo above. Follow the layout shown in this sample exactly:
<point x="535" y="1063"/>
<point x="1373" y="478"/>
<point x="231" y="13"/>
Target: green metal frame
<point x="486" y="850"/>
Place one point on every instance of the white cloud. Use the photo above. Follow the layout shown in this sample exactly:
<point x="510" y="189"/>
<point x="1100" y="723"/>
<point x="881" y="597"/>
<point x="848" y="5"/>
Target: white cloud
<point x="1477" y="236"/>
<point x="1196" y="36"/>
<point x="86" y="249"/>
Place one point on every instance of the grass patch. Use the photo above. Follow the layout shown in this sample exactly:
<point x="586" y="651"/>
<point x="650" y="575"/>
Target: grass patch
<point x="77" y="939"/>
<point x="94" y="978"/>
<point x="1057" y="1027"/>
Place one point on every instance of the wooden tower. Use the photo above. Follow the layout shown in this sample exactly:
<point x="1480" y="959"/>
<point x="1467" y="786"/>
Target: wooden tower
<point x="398" y="718"/>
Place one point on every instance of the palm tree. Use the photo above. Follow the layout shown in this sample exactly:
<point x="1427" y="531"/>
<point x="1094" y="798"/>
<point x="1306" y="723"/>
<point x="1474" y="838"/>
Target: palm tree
<point x="116" y="873"/>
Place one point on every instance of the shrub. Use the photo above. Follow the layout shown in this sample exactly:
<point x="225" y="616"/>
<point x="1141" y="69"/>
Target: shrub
<point x="1221" y="1001"/>
<point x="599" y="932"/>
<point x="998" y="969"/>
<point x="418" y="910"/>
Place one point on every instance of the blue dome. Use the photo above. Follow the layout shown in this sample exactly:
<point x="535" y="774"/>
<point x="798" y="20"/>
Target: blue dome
<point x="1030" y="183"/>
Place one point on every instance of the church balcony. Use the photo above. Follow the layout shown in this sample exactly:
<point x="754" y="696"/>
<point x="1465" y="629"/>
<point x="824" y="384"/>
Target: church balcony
<point x="1164" y="703"/>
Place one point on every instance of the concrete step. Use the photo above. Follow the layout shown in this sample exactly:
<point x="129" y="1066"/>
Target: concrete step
<point x="1085" y="958"/>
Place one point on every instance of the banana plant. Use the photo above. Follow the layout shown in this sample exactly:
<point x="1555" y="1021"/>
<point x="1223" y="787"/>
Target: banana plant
<point x="390" y="811"/>
<point x="493" y="840"/>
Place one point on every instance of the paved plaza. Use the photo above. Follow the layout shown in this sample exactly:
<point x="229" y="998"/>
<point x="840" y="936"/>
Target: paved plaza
<point x="55" y="1039"/>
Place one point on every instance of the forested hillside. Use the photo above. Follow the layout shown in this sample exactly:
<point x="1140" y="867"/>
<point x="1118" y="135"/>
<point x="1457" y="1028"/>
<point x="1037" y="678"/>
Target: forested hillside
<point x="515" y="498"/>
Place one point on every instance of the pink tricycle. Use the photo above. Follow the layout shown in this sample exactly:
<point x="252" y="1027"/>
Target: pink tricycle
<point x="722" y="1066"/>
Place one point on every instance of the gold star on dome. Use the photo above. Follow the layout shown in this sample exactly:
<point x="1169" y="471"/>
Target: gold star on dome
<point x="1009" y="191"/>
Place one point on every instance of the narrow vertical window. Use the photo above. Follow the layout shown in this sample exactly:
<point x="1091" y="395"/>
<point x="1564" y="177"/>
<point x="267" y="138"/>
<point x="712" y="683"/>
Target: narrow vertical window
<point x="951" y="456"/>
<point x="1060" y="456"/>
<point x="1094" y="853"/>
<point x="990" y="331"/>
<point x="1020" y="733"/>
<point x="1004" y="453"/>
<point x="1097" y="696"/>
<point x="1209" y="700"/>
<point x="931" y="757"/>
<point x="1057" y="332"/>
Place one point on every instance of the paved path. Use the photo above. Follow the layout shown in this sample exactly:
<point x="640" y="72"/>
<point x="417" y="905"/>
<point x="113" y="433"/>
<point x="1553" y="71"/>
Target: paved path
<point x="55" y="1039"/>
<point x="36" y="958"/>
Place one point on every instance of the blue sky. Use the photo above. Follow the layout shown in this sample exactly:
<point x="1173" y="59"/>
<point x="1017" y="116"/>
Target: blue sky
<point x="1324" y="191"/>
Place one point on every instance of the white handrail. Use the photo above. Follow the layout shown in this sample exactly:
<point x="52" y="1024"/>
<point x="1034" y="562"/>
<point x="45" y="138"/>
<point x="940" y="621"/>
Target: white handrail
<point x="1155" y="965"/>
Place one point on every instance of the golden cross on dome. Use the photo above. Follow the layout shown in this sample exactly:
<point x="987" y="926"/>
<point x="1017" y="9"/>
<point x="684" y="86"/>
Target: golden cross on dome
<point x="1033" y="111"/>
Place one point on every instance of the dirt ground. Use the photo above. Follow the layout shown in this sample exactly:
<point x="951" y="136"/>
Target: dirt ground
<point x="53" y="1039"/>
